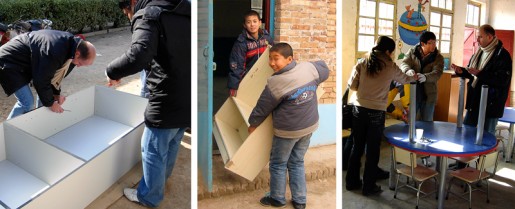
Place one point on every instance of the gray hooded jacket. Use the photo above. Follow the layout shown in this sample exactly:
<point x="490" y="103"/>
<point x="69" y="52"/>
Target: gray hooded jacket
<point x="290" y="95"/>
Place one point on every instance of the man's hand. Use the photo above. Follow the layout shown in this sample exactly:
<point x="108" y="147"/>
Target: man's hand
<point x="60" y="99"/>
<point x="251" y="129"/>
<point x="56" y="107"/>
<point x="111" y="82"/>
<point x="457" y="69"/>
<point x="473" y="71"/>
<point x="232" y="92"/>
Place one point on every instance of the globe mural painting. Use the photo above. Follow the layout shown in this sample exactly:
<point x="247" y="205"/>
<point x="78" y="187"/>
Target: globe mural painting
<point x="412" y="24"/>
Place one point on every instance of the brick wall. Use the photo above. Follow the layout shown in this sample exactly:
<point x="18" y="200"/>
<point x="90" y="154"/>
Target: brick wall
<point x="309" y="26"/>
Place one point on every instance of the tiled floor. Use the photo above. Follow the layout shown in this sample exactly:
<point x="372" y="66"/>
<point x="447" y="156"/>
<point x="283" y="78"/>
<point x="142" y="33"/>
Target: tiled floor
<point x="502" y="191"/>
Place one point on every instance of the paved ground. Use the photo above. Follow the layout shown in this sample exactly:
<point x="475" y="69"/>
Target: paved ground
<point x="109" y="46"/>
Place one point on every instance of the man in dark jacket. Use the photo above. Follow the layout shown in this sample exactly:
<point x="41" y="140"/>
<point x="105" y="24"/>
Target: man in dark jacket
<point x="491" y="65"/>
<point x="161" y="31"/>
<point x="44" y="57"/>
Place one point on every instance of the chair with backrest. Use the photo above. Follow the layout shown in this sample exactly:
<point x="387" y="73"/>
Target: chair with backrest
<point x="471" y="175"/>
<point x="419" y="174"/>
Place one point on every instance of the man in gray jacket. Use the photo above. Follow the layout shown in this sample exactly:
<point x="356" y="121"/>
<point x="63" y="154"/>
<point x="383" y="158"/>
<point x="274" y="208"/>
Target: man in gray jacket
<point x="290" y="95"/>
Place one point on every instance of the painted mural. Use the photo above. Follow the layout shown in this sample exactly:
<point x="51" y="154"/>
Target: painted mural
<point x="410" y="25"/>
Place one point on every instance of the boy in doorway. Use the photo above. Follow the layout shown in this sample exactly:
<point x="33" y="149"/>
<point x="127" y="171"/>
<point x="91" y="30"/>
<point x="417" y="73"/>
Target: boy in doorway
<point x="290" y="95"/>
<point x="247" y="49"/>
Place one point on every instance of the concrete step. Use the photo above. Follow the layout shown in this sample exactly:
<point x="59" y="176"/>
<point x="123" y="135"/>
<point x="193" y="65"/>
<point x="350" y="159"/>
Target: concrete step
<point x="319" y="162"/>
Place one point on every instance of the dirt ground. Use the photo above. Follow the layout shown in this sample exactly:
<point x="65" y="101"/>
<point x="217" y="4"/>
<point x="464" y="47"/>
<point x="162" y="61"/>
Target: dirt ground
<point x="321" y="194"/>
<point x="110" y="46"/>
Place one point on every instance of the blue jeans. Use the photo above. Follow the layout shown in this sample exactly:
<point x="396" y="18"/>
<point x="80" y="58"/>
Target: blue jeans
<point x="288" y="154"/>
<point x="159" y="148"/>
<point x="144" y="89"/>
<point x="426" y="111"/>
<point x="25" y="102"/>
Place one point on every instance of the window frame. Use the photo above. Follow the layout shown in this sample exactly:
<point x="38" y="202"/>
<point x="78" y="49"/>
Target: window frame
<point x="360" y="54"/>
<point x="443" y="11"/>
<point x="478" y="5"/>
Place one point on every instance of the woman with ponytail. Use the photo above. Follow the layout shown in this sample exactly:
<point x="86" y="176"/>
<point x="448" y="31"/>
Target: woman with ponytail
<point x="371" y="78"/>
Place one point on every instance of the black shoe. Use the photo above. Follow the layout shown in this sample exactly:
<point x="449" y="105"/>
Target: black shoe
<point x="382" y="174"/>
<point x="298" y="205"/>
<point x="269" y="201"/>
<point x="371" y="191"/>
<point x="355" y="186"/>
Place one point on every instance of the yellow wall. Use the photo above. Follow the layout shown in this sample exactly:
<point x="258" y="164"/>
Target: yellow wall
<point x="349" y="15"/>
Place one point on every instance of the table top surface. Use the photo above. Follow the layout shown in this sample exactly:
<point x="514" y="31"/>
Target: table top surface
<point x="445" y="139"/>
<point x="509" y="115"/>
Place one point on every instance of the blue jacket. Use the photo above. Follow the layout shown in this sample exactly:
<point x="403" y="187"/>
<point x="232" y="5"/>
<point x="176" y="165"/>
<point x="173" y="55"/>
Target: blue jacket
<point x="245" y="52"/>
<point x="290" y="95"/>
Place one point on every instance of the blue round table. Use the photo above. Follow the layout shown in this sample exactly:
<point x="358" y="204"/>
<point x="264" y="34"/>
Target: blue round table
<point x="509" y="117"/>
<point x="445" y="140"/>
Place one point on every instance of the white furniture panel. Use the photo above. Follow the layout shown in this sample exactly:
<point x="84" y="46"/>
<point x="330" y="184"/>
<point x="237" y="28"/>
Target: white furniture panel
<point x="18" y="185"/>
<point x="89" y="137"/>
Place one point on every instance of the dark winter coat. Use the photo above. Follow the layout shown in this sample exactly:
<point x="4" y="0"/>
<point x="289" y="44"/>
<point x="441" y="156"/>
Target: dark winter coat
<point x="497" y="75"/>
<point x="161" y="31"/>
<point x="36" y="56"/>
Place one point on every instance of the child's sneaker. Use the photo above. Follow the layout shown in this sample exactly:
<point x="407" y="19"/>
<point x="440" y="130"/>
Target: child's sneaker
<point x="269" y="201"/>
<point x="298" y="205"/>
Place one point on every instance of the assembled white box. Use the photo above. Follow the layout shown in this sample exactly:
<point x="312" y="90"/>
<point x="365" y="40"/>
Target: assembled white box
<point x="50" y="160"/>
<point x="243" y="153"/>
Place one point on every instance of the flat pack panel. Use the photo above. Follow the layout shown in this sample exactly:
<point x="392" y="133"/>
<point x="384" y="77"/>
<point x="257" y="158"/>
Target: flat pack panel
<point x="119" y="106"/>
<point x="2" y="142"/>
<point x="254" y="154"/>
<point x="37" y="157"/>
<point x="218" y="138"/>
<point x="18" y="186"/>
<point x="43" y="123"/>
<point x="254" y="82"/>
<point x="244" y="108"/>
<point x="229" y="141"/>
<point x="89" y="137"/>
<point x="84" y="185"/>
<point x="229" y="114"/>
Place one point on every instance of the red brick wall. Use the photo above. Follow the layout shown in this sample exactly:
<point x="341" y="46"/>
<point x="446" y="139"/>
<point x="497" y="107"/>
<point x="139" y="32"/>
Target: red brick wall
<point x="309" y="26"/>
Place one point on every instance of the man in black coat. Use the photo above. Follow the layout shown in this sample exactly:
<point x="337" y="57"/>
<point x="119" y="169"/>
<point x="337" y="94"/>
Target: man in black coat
<point x="491" y="65"/>
<point x="161" y="32"/>
<point x="44" y="57"/>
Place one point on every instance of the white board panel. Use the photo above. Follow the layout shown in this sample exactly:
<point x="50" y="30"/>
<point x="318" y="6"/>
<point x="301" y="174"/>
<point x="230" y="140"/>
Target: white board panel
<point x="83" y="186"/>
<point x="37" y="157"/>
<point x="119" y="106"/>
<point x="43" y="123"/>
<point x="254" y="153"/>
<point x="89" y="137"/>
<point x="254" y="82"/>
<point x="18" y="186"/>
<point x="2" y="142"/>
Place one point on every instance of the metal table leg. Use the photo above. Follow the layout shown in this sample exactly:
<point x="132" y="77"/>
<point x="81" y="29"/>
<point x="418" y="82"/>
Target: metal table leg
<point x="510" y="143"/>
<point x="391" y="180"/>
<point x="441" y="189"/>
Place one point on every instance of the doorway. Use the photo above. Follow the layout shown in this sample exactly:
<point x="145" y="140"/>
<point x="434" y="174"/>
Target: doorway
<point x="227" y="26"/>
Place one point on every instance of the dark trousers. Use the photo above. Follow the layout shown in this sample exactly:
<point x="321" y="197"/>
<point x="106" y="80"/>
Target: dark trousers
<point x="367" y="129"/>
<point x="347" y="149"/>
